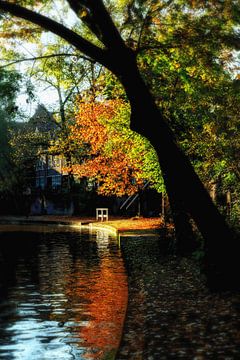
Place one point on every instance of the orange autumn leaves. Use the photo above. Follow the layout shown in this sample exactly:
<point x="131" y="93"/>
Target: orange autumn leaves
<point x="101" y="127"/>
<point x="88" y="129"/>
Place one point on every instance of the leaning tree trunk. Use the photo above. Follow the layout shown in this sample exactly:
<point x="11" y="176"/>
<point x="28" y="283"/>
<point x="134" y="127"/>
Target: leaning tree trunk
<point x="182" y="183"/>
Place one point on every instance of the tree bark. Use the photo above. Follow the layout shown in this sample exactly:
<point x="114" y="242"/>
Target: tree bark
<point x="185" y="190"/>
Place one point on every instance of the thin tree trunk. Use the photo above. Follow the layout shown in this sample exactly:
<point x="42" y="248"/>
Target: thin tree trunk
<point x="228" y="203"/>
<point x="213" y="191"/>
<point x="163" y="209"/>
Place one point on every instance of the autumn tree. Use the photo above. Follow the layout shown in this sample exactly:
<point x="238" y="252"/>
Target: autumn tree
<point x="120" y="160"/>
<point x="69" y="78"/>
<point x="187" y="195"/>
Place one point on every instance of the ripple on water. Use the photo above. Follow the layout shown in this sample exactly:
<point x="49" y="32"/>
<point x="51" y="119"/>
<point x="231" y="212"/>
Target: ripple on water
<point x="63" y="295"/>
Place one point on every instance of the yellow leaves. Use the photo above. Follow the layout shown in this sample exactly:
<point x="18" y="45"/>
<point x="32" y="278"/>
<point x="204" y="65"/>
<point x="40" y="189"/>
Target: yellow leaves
<point x="122" y="3"/>
<point x="90" y="122"/>
<point x="191" y="70"/>
<point x="210" y="130"/>
<point x="204" y="76"/>
<point x="83" y="13"/>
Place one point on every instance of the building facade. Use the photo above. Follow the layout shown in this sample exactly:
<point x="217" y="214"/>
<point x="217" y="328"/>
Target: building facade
<point x="50" y="172"/>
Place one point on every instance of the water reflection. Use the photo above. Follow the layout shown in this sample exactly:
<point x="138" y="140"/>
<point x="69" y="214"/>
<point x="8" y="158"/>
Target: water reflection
<point x="63" y="295"/>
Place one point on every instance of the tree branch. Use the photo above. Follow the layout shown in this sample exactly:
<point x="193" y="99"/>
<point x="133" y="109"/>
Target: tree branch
<point x="72" y="90"/>
<point x="144" y="22"/>
<point x="89" y="49"/>
<point x="99" y="21"/>
<point x="45" y="57"/>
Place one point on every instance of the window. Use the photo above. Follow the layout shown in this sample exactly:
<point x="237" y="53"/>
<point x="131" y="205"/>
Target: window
<point x="50" y="162"/>
<point x="63" y="162"/>
<point x="56" y="181"/>
<point x="40" y="165"/>
<point x="40" y="182"/>
<point x="55" y="161"/>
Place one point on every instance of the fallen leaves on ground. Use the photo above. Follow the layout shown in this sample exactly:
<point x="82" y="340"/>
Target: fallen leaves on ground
<point x="171" y="313"/>
<point x="136" y="223"/>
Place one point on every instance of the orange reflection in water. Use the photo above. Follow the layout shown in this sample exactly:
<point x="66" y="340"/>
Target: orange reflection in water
<point x="108" y="307"/>
<point x="68" y="294"/>
<point x="105" y="288"/>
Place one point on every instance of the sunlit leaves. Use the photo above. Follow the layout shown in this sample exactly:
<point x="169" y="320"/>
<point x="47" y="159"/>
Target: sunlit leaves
<point x="120" y="160"/>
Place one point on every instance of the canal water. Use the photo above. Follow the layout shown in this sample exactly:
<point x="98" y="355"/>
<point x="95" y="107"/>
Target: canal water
<point x="63" y="293"/>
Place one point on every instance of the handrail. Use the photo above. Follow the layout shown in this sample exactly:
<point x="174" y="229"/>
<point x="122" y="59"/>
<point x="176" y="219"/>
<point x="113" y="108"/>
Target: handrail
<point x="132" y="197"/>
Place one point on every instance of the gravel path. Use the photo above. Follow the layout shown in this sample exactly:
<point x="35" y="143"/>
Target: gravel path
<point x="171" y="314"/>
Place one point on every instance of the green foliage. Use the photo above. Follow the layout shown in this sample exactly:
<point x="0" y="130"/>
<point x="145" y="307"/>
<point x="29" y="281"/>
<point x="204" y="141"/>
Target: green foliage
<point x="118" y="159"/>
<point x="9" y="86"/>
<point x="120" y="135"/>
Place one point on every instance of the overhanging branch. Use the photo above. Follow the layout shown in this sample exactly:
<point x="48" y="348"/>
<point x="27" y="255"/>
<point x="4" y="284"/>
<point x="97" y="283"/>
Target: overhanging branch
<point x="89" y="49"/>
<point x="99" y="21"/>
<point x="45" y="57"/>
